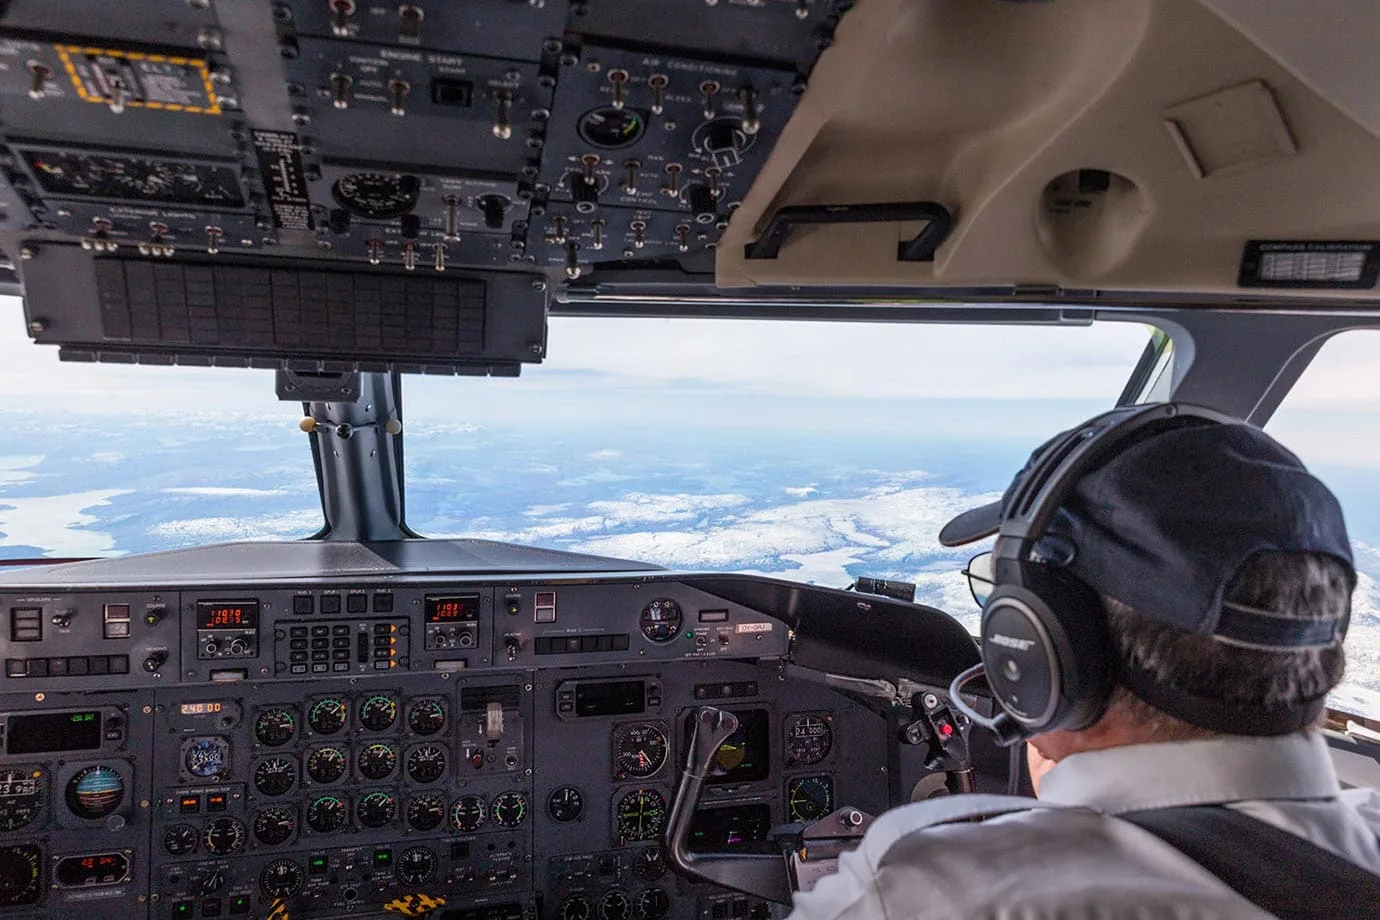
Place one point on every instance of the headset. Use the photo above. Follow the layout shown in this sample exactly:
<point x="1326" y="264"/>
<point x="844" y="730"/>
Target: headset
<point x="1047" y="652"/>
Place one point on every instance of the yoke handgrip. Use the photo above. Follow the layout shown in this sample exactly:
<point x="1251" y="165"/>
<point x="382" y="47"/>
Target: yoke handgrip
<point x="919" y="249"/>
<point x="762" y="875"/>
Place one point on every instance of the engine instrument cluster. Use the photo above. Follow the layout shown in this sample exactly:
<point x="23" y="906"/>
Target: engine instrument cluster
<point x="331" y="748"/>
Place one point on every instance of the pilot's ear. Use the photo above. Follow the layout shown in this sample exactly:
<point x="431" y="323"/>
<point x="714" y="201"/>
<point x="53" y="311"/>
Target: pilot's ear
<point x="1039" y="765"/>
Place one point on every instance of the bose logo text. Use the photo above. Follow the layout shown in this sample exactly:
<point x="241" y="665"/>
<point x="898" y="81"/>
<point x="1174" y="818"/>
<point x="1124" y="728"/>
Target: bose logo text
<point x="1020" y="645"/>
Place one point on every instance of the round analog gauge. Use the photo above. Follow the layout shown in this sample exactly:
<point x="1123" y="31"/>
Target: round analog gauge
<point x="614" y="905"/>
<point x="181" y="839"/>
<point x="417" y="865"/>
<point x="660" y="620"/>
<point x="94" y="792"/>
<point x="275" y="727"/>
<point x="426" y="764"/>
<point x="275" y="825"/>
<point x="611" y="128"/>
<point x="468" y="814"/>
<point x="426" y="717"/>
<point x="639" y="750"/>
<point x="377" y="809"/>
<point x="377" y="196"/>
<point x="640" y="815"/>
<point x="378" y="713"/>
<point x="281" y="878"/>
<point x="425" y="812"/>
<point x="808" y="739"/>
<point x="510" y="809"/>
<point x="223" y="836"/>
<point x="378" y="760"/>
<point x="326" y="813"/>
<point x="328" y="716"/>
<point x="650" y="865"/>
<point x="206" y="758"/>
<point x="21" y="874"/>
<point x="21" y="797"/>
<point x="809" y="798"/>
<point x="275" y="775"/>
<point x="565" y="803"/>
<point x="574" y="908"/>
<point x="653" y="904"/>
<point x="326" y="765"/>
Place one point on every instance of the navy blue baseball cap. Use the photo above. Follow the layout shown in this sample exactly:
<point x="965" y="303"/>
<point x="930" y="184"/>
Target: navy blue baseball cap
<point x="1166" y="522"/>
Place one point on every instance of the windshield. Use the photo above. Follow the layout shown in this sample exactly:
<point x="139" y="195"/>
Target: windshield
<point x="815" y="452"/>
<point x="811" y="451"/>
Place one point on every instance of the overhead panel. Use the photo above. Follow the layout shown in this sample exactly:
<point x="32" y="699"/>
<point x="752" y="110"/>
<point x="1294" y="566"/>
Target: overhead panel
<point x="509" y="143"/>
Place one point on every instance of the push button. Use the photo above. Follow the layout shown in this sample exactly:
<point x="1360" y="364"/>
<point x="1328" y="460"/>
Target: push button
<point x="304" y="604"/>
<point x="357" y="603"/>
<point x="330" y="603"/>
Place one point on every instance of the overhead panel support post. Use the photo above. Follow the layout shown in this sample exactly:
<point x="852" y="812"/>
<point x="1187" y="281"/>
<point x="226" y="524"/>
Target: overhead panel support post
<point x="357" y="447"/>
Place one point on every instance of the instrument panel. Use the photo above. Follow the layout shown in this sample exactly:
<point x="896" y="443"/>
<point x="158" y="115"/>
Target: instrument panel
<point x="493" y="749"/>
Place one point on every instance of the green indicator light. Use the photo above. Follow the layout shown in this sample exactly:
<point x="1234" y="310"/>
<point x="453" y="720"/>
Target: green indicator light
<point x="689" y="634"/>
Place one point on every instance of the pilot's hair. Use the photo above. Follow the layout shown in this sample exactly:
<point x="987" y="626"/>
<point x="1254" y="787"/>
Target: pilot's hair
<point x="1304" y="586"/>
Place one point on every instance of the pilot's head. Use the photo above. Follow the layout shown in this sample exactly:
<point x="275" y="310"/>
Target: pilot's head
<point x="1189" y="577"/>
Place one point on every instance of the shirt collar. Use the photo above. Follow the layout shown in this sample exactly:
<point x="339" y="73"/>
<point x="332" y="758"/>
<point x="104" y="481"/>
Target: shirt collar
<point x="1213" y="771"/>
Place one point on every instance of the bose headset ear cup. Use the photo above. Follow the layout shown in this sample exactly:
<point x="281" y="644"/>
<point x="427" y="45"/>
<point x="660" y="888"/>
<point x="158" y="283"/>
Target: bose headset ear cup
<point x="1048" y="651"/>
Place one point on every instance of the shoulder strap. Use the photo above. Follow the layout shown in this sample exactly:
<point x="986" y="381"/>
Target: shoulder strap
<point x="1279" y="872"/>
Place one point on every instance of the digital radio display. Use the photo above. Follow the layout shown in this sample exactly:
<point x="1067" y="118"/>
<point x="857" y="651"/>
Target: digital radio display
<point x="227" y="614"/>
<point x="453" y="608"/>
<point x="48" y="732"/>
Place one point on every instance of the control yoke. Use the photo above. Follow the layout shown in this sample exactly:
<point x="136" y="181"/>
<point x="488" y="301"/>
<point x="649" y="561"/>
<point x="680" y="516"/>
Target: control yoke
<point x="772" y="876"/>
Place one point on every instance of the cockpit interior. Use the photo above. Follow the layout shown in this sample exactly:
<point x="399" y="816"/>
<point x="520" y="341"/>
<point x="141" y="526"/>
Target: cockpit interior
<point x="347" y="196"/>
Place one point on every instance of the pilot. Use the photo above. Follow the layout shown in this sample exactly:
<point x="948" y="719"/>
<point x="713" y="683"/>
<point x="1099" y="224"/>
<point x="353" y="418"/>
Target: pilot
<point x="1181" y="772"/>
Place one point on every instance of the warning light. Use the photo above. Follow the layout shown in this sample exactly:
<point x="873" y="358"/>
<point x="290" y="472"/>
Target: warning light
<point x="946" y="729"/>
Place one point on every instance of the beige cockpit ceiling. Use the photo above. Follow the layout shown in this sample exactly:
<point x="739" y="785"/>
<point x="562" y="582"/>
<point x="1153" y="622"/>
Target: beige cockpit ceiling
<point x="1134" y="145"/>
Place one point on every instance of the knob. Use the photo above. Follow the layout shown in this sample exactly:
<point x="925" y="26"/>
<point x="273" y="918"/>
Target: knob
<point x="154" y="615"/>
<point x="239" y="647"/>
<point x="585" y="191"/>
<point x="513" y="643"/>
<point x="702" y="203"/>
<point x="493" y="207"/>
<point x="723" y="136"/>
<point x="339" y="221"/>
<point x="155" y="661"/>
<point x="212" y="647"/>
<point x="513" y="606"/>
<point x="213" y="882"/>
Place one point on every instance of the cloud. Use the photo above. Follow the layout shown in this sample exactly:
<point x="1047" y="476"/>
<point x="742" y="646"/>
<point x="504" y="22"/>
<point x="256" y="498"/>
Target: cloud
<point x="59" y="523"/>
<point x="192" y="531"/>
<point x="227" y="492"/>
<point x="603" y="455"/>
<point x="800" y="491"/>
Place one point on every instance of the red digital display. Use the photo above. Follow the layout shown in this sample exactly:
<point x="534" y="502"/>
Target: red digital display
<point x="227" y="615"/>
<point x="457" y="608"/>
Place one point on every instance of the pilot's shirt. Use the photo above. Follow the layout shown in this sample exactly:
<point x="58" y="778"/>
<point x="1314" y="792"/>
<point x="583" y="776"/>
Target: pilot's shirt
<point x="1073" y="861"/>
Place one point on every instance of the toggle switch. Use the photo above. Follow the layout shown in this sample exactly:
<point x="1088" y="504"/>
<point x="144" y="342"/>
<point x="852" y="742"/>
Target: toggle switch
<point x="618" y="79"/>
<point x="340" y="89"/>
<point x="657" y="82"/>
<point x="503" y="103"/>
<point x="397" y="95"/>
<point x="708" y="90"/>
<point x="38" y="77"/>
<point x="341" y="11"/>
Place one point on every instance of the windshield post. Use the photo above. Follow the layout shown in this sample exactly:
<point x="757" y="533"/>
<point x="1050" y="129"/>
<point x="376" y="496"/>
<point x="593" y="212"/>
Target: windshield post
<point x="359" y="464"/>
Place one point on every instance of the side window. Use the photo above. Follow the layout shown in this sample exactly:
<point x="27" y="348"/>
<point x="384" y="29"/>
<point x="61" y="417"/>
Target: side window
<point x="1331" y="419"/>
